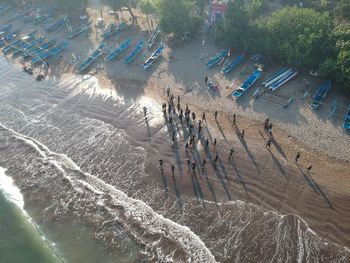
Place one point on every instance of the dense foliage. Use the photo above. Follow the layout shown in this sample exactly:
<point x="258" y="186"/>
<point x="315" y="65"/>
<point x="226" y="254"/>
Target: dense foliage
<point x="176" y="16"/>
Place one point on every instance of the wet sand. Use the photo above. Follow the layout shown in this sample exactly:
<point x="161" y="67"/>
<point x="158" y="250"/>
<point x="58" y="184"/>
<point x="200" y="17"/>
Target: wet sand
<point x="268" y="178"/>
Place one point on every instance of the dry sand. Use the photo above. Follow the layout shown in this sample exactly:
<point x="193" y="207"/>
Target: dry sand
<point x="266" y="177"/>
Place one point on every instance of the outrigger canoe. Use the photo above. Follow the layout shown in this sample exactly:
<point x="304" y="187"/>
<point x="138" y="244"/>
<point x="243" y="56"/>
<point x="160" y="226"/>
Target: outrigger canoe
<point x="119" y="50"/>
<point x="155" y="55"/>
<point x="52" y="52"/>
<point x="78" y="32"/>
<point x="247" y="84"/>
<point x="153" y="37"/>
<point x="288" y="75"/>
<point x="113" y="29"/>
<point x="275" y="77"/>
<point x="346" y="124"/>
<point x="60" y="22"/>
<point x="19" y="43"/>
<point x="320" y="94"/>
<point x="130" y="57"/>
<point x="92" y="57"/>
<point x="7" y="37"/>
<point x="234" y="64"/>
<point x="38" y="47"/>
<point x="217" y="58"/>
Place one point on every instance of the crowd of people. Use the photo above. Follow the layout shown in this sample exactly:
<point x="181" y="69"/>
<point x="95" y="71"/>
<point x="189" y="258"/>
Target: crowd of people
<point x="172" y="109"/>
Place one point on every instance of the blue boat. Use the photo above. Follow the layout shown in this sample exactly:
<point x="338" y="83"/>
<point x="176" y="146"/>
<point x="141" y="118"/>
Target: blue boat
<point x="7" y="37"/>
<point x="52" y="52"/>
<point x="92" y="57"/>
<point x="19" y="43"/>
<point x="119" y="50"/>
<point x="320" y="94"/>
<point x="247" y="84"/>
<point x="346" y="124"/>
<point x="38" y="46"/>
<point x="53" y="26"/>
<point x="216" y="59"/>
<point x="286" y="76"/>
<point x="234" y="64"/>
<point x="132" y="55"/>
<point x="113" y="29"/>
<point x="155" y="55"/>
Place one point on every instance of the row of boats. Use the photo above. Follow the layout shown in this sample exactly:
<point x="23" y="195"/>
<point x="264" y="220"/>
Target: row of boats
<point x="29" y="46"/>
<point x="118" y="51"/>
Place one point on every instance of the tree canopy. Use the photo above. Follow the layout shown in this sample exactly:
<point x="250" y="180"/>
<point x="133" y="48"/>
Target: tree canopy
<point x="297" y="36"/>
<point x="175" y="16"/>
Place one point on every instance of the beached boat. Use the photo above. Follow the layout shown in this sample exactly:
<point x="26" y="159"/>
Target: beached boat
<point x="92" y="57"/>
<point x="37" y="47"/>
<point x="55" y="25"/>
<point x="119" y="50"/>
<point x="18" y="43"/>
<point x="8" y="36"/>
<point x="153" y="37"/>
<point x="113" y="29"/>
<point x="39" y="19"/>
<point x="287" y="77"/>
<point x="275" y="77"/>
<point x="52" y="52"/>
<point x="346" y="124"/>
<point x="78" y="31"/>
<point x="217" y="58"/>
<point x="234" y="64"/>
<point x="320" y="94"/>
<point x="247" y="84"/>
<point x="155" y="55"/>
<point x="132" y="55"/>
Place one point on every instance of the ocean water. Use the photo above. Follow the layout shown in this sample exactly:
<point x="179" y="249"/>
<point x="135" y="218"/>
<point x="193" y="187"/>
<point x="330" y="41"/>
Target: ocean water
<point x="76" y="156"/>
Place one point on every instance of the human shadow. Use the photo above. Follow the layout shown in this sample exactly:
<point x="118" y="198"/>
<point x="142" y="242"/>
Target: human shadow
<point x="177" y="192"/>
<point x="165" y="183"/>
<point x="245" y="146"/>
<point x="314" y="186"/>
<point x="238" y="173"/>
<point x="220" y="129"/>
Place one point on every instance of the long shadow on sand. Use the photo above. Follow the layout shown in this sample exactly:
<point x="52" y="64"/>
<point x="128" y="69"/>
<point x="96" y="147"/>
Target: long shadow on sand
<point x="317" y="189"/>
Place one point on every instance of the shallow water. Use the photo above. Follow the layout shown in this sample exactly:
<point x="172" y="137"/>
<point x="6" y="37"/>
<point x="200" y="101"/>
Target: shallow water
<point x="76" y="155"/>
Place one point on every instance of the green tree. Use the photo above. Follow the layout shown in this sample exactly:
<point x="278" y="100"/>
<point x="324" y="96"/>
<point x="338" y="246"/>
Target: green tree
<point x="119" y="4"/>
<point x="175" y="16"/>
<point x="147" y="7"/>
<point x="298" y="36"/>
<point x="233" y="29"/>
<point x="255" y="8"/>
<point x="343" y="9"/>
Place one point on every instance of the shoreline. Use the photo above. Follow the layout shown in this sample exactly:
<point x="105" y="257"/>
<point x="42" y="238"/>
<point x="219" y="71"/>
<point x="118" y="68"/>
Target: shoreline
<point x="312" y="208"/>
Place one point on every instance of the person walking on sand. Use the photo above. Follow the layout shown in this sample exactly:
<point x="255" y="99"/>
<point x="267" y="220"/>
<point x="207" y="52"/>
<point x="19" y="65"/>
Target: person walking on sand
<point x="188" y="162"/>
<point x="186" y="146"/>
<point x="308" y="169"/>
<point x="231" y="154"/>
<point x="203" y="164"/>
<point x="234" y="119"/>
<point x="193" y="116"/>
<point x="193" y="167"/>
<point x="203" y="116"/>
<point x="174" y="135"/>
<point x="186" y="109"/>
<point x="206" y="144"/>
<point x="242" y="134"/>
<point x="206" y="79"/>
<point x="297" y="157"/>
<point x="216" y="115"/>
<point x="266" y="124"/>
<point x="268" y="144"/>
<point x="178" y="99"/>
<point x="214" y="143"/>
<point x="161" y="164"/>
<point x="168" y="92"/>
<point x="178" y="106"/>
<point x="181" y="115"/>
<point x="169" y="109"/>
<point x="170" y="119"/>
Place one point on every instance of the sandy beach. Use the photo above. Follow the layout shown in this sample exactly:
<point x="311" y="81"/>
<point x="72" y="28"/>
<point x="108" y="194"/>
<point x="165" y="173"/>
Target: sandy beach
<point x="268" y="178"/>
